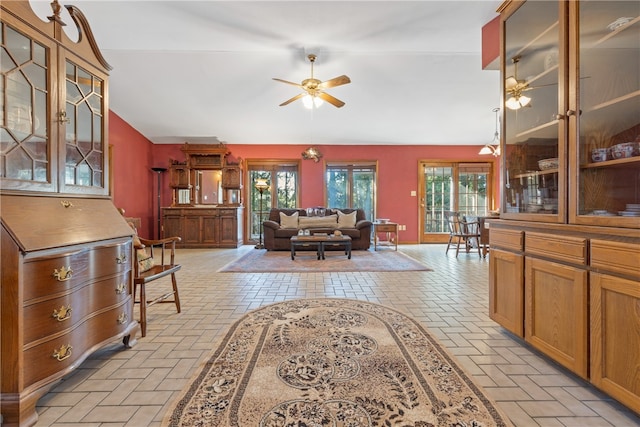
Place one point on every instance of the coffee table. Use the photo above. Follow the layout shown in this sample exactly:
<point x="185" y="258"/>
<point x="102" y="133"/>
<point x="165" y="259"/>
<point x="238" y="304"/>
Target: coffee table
<point x="320" y="242"/>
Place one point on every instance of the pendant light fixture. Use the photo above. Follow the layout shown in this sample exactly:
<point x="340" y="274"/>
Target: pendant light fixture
<point x="494" y="146"/>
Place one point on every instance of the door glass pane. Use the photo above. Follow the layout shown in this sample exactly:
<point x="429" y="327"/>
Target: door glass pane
<point x="23" y="108"/>
<point x="438" y="189"/>
<point x="531" y="108"/>
<point x="83" y="135"/>
<point x="363" y="191"/>
<point x="286" y="189"/>
<point x="609" y="145"/>
<point x="337" y="188"/>
<point x="260" y="204"/>
<point x="472" y="190"/>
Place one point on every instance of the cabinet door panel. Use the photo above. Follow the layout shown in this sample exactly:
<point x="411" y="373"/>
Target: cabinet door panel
<point x="556" y="312"/>
<point x="228" y="230"/>
<point x="172" y="226"/>
<point x="191" y="230"/>
<point x="210" y="230"/>
<point x="506" y="302"/>
<point x="615" y="337"/>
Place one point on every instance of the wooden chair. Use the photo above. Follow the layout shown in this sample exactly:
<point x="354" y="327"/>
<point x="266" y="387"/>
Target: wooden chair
<point x="465" y="232"/>
<point x="154" y="259"/>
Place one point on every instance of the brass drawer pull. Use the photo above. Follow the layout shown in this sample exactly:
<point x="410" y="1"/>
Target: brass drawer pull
<point x="120" y="289"/>
<point x="66" y="204"/>
<point x="63" y="353"/>
<point x="62" y="313"/>
<point x="121" y="259"/>
<point x="65" y="273"/>
<point x="122" y="319"/>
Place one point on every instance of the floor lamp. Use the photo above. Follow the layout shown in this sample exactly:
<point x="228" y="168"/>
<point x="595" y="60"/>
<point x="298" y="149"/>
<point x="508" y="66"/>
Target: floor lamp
<point x="261" y="185"/>
<point x="159" y="172"/>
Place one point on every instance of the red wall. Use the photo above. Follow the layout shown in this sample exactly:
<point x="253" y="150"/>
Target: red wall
<point x="135" y="183"/>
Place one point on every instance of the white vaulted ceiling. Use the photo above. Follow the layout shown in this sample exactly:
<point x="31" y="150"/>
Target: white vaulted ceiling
<point x="201" y="71"/>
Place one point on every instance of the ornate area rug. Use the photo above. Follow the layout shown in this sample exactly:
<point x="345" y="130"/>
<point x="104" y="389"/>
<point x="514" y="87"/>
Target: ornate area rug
<point x="262" y="261"/>
<point x="331" y="362"/>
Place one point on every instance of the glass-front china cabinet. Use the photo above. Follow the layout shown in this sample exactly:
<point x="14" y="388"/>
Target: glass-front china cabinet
<point x="564" y="271"/>
<point x="65" y="281"/>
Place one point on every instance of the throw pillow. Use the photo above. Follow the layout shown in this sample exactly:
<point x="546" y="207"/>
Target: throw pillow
<point x="329" y="221"/>
<point x="289" y="221"/>
<point x="145" y="260"/>
<point x="347" y="220"/>
<point x="143" y="256"/>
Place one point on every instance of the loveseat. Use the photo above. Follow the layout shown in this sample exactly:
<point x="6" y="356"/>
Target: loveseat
<point x="284" y="223"/>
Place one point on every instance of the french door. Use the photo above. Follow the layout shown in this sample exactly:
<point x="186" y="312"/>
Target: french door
<point x="282" y="192"/>
<point x="451" y="186"/>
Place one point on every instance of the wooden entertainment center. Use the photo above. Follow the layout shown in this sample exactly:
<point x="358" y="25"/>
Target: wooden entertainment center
<point x="206" y="209"/>
<point x="65" y="281"/>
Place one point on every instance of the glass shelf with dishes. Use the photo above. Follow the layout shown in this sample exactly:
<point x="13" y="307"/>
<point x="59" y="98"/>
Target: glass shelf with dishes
<point x="608" y="128"/>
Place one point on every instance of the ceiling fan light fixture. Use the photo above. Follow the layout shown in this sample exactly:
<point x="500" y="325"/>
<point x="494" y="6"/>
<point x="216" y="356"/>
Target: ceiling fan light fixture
<point x="311" y="102"/>
<point x="517" y="101"/>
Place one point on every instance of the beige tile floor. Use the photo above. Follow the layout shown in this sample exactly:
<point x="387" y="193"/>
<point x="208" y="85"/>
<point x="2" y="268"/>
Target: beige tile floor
<point x="117" y="388"/>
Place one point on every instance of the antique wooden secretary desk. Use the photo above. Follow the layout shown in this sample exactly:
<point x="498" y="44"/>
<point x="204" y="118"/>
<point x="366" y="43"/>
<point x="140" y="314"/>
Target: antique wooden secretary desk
<point x="65" y="281"/>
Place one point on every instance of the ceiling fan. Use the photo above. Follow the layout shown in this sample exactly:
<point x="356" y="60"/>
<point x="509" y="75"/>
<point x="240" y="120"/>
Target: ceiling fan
<point x="314" y="89"/>
<point x="515" y="87"/>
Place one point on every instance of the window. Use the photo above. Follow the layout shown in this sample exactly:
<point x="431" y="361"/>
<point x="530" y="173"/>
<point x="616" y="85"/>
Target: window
<point x="282" y="192"/>
<point x="352" y="185"/>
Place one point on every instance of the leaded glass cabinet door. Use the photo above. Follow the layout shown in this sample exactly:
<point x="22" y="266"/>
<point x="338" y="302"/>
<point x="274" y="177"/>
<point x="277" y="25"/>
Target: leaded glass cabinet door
<point x="84" y="117"/>
<point x="607" y="130"/>
<point x="25" y="104"/>
<point x="534" y="125"/>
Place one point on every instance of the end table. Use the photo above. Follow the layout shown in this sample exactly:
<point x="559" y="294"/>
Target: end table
<point x="391" y="233"/>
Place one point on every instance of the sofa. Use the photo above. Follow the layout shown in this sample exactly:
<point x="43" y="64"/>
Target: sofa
<point x="285" y="223"/>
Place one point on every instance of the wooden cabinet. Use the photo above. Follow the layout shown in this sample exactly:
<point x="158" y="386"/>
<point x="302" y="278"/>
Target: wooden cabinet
<point x="203" y="227"/>
<point x="66" y="290"/>
<point x="65" y="270"/>
<point x="571" y="87"/>
<point x="556" y="312"/>
<point x="55" y="135"/>
<point x="615" y="320"/>
<point x="506" y="290"/>
<point x="232" y="177"/>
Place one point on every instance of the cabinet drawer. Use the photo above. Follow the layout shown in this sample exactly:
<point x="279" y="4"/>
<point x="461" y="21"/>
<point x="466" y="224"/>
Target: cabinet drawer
<point x="385" y="228"/>
<point x="228" y="212"/>
<point x="506" y="239"/>
<point x="42" y="361"/>
<point x="61" y="314"/>
<point x="203" y="212"/>
<point x="563" y="248"/>
<point x="616" y="257"/>
<point x="60" y="273"/>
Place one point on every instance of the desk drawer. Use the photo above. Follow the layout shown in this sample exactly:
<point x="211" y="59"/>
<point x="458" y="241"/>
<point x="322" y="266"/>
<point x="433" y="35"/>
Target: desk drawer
<point x="60" y="314"/>
<point x="50" y="357"/>
<point x="58" y="274"/>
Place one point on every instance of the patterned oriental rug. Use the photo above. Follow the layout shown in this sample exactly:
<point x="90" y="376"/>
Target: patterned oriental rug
<point x="262" y="261"/>
<point x="331" y="362"/>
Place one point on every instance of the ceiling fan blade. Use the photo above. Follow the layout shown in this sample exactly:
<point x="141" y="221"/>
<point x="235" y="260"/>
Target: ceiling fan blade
<point x="336" y="81"/>
<point x="330" y="99"/>
<point x="289" y="101"/>
<point x="289" y="83"/>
